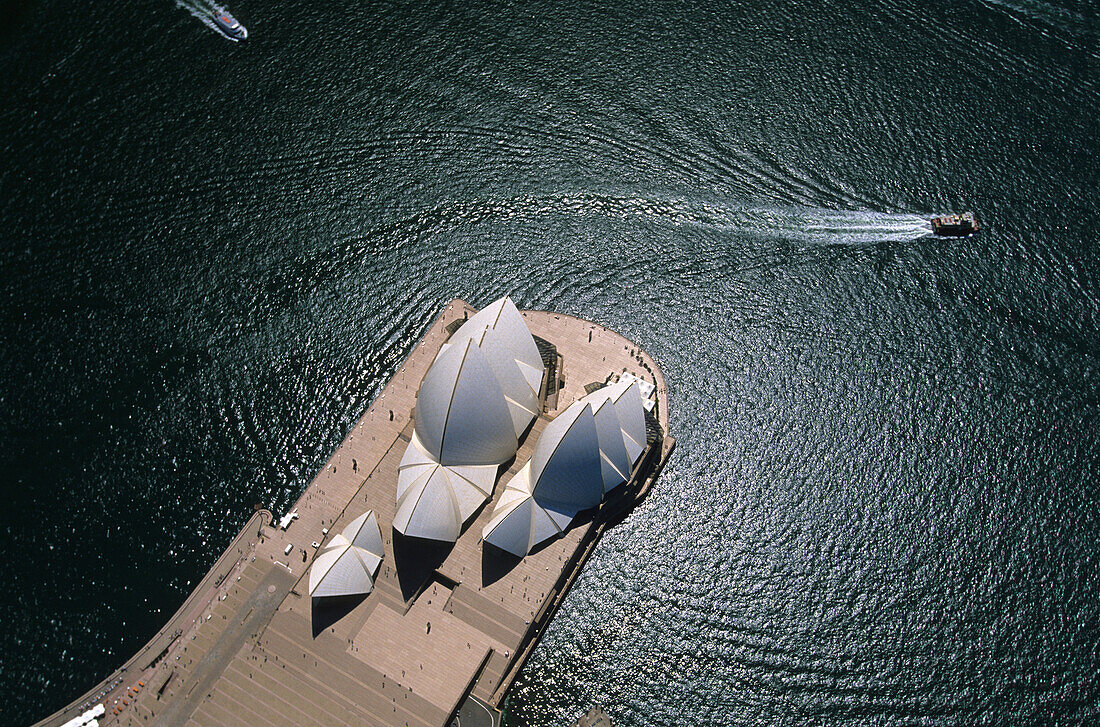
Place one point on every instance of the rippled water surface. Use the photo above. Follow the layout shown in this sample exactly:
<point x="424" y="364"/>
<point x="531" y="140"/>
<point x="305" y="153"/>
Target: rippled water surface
<point x="883" y="508"/>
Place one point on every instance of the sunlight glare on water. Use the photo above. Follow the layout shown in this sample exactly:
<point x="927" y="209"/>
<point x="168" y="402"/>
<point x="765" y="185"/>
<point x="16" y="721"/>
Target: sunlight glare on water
<point x="882" y="508"/>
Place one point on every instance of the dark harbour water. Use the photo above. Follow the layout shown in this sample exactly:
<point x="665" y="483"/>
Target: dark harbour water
<point x="884" y="506"/>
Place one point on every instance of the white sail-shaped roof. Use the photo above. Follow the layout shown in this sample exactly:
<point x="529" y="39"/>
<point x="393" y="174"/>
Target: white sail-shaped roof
<point x="504" y="317"/>
<point x="627" y="398"/>
<point x="434" y="500"/>
<point x="461" y="414"/>
<point x="586" y="452"/>
<point x="343" y="569"/>
<point x="522" y="398"/>
<point x="479" y="396"/>
<point x="520" y="522"/>
<point x="499" y="331"/>
<point x="614" y="460"/>
<point x="565" y="466"/>
<point x="363" y="532"/>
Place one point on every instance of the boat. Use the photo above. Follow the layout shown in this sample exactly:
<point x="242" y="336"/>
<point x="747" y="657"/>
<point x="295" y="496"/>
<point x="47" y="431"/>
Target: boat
<point x="959" y="225"/>
<point x="229" y="25"/>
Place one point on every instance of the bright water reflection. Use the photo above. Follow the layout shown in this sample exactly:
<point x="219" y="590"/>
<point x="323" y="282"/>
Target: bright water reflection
<point x="883" y="504"/>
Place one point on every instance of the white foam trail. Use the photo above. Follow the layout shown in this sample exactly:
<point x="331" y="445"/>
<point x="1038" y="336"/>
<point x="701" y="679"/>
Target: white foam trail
<point x="1056" y="17"/>
<point x="856" y="227"/>
<point x="801" y="225"/>
<point x="202" y="9"/>
<point x="806" y="225"/>
<point x="815" y="226"/>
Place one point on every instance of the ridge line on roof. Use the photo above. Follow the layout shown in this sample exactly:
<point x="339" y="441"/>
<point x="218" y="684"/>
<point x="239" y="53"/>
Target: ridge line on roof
<point x="503" y="301"/>
<point x="560" y="440"/>
<point x="467" y="480"/>
<point x="619" y="472"/>
<point x="519" y="404"/>
<point x="418" y="497"/>
<point x="451" y="398"/>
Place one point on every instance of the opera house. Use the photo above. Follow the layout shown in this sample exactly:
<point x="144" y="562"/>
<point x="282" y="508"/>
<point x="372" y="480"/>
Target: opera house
<point x="417" y="571"/>
<point x="477" y="400"/>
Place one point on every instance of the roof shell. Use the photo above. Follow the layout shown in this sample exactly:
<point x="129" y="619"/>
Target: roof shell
<point x="502" y="316"/>
<point x="520" y="522"/>
<point x="486" y="376"/>
<point x="363" y="532"/>
<point x="582" y="454"/>
<point x="626" y="398"/>
<point x="565" y="466"/>
<point x="461" y="413"/>
<point x="343" y="569"/>
<point x="433" y="500"/>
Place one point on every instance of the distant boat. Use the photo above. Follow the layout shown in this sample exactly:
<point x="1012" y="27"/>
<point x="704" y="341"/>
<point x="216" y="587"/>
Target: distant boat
<point x="959" y="225"/>
<point x="229" y="25"/>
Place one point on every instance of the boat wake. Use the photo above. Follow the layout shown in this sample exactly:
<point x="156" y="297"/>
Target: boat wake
<point x="835" y="227"/>
<point x="796" y="224"/>
<point x="1059" y="18"/>
<point x="204" y="10"/>
<point x="802" y="225"/>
